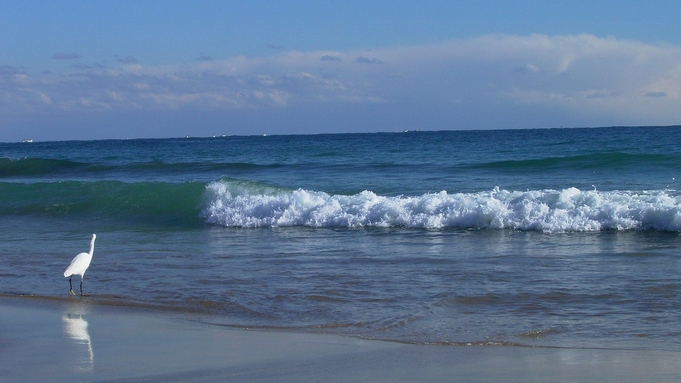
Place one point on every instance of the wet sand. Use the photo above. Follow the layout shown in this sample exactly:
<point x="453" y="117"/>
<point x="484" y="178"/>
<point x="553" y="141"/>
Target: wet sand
<point x="77" y="340"/>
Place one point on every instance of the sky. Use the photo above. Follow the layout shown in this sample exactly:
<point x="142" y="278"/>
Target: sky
<point x="151" y="69"/>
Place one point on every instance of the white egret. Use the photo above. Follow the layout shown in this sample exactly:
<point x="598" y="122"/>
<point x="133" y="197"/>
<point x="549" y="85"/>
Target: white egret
<point x="78" y="265"/>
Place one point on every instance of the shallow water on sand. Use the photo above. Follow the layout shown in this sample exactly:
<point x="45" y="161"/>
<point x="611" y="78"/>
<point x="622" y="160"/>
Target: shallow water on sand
<point x="610" y="289"/>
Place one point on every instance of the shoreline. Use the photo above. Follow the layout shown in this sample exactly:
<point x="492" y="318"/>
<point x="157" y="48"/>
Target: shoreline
<point x="67" y="339"/>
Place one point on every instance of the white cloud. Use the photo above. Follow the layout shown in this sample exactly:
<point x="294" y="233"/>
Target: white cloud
<point x="45" y="99"/>
<point x="532" y="69"/>
<point x="490" y="81"/>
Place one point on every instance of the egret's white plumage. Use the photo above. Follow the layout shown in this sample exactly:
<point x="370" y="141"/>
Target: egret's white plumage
<point x="78" y="265"/>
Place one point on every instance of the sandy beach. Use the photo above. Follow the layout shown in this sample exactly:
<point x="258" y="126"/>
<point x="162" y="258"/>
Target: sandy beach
<point x="78" y="340"/>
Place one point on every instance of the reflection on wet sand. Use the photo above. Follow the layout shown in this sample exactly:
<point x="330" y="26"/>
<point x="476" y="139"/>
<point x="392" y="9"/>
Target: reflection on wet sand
<point x="75" y="328"/>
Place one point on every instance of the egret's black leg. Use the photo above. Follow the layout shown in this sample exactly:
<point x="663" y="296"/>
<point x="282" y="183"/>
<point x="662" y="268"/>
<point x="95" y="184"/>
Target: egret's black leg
<point x="71" y="286"/>
<point x="81" y="286"/>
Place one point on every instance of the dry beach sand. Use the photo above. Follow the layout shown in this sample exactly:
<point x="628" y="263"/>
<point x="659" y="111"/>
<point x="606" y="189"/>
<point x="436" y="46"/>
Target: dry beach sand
<point x="78" y="339"/>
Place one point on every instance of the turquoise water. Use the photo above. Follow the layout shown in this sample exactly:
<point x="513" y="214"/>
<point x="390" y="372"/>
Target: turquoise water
<point x="559" y="237"/>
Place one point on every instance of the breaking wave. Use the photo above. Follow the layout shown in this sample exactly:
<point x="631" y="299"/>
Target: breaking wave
<point x="233" y="204"/>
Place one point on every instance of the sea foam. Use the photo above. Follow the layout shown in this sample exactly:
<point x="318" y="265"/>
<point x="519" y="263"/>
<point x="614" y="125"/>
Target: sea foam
<point x="233" y="205"/>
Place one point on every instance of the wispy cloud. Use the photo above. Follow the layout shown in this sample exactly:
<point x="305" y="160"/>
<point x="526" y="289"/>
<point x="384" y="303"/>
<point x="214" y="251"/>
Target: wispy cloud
<point x="9" y="70"/>
<point x="65" y="56"/>
<point x="81" y="66"/>
<point x="656" y="94"/>
<point x="126" y="59"/>
<point x="490" y="81"/>
<point x="528" y="68"/>
<point x="330" y="58"/>
<point x="364" y="60"/>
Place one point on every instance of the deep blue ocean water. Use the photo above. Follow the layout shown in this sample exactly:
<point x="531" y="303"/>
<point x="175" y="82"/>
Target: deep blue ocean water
<point x="551" y="237"/>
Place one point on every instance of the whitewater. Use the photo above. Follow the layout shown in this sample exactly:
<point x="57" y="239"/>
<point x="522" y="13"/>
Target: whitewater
<point x="544" y="210"/>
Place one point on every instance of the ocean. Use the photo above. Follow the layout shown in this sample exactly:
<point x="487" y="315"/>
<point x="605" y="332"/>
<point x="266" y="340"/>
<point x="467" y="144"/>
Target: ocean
<point x="544" y="237"/>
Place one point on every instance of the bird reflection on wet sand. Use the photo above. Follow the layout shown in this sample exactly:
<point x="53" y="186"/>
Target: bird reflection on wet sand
<point x="75" y="328"/>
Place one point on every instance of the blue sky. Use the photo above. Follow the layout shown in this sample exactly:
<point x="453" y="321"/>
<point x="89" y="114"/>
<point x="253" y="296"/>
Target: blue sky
<point x="128" y="69"/>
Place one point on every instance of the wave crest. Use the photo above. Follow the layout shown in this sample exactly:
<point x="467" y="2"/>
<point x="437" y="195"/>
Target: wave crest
<point x="571" y="209"/>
